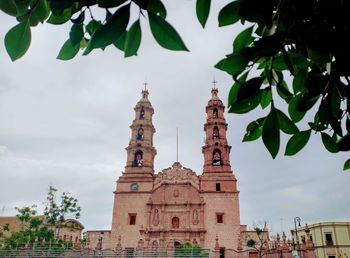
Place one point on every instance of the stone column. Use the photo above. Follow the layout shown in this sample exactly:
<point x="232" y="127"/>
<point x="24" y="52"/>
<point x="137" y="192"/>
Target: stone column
<point x="188" y="216"/>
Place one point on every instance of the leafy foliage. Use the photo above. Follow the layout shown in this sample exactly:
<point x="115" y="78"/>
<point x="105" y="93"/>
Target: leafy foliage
<point x="189" y="250"/>
<point x="89" y="33"/>
<point x="305" y="41"/>
<point x="56" y="213"/>
<point x="41" y="231"/>
<point x="259" y="240"/>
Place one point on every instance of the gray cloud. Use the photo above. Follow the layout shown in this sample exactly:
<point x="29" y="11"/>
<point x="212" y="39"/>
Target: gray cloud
<point x="67" y="124"/>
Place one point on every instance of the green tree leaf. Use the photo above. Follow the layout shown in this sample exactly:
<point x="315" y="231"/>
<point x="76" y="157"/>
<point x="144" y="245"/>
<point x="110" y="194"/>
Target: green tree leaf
<point x="250" y="88"/>
<point x="165" y="34"/>
<point x="39" y="13"/>
<point x="246" y="105"/>
<point x="17" y="40"/>
<point x="202" y="11"/>
<point x="133" y="39"/>
<point x="229" y="14"/>
<point x="271" y="133"/>
<point x="243" y="39"/>
<point x="120" y="42"/>
<point x="68" y="51"/>
<point x="266" y="97"/>
<point x="233" y="64"/>
<point x="294" y="114"/>
<point x="76" y="34"/>
<point x="344" y="143"/>
<point x="329" y="143"/>
<point x="111" y="31"/>
<point x="299" y="81"/>
<point x="92" y="26"/>
<point x="60" y="19"/>
<point x="254" y="130"/>
<point x="297" y="142"/>
<point x="286" y="125"/>
<point x="110" y="3"/>
<point x="347" y="165"/>
<point x="232" y="97"/>
<point x="22" y="7"/>
<point x="9" y="7"/>
<point x="157" y="7"/>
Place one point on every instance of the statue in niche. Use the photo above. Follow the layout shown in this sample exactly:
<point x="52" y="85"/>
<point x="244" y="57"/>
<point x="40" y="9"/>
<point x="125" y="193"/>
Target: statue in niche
<point x="140" y="134"/>
<point x="216" y="158"/>
<point x="138" y="161"/>
<point x="215" y="113"/>
<point x="195" y="217"/>
<point x="156" y="217"/>
<point x="155" y="245"/>
<point x="216" y="133"/>
<point x="142" y="113"/>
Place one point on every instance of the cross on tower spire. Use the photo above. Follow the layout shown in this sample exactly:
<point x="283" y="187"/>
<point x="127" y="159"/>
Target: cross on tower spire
<point x="145" y="83"/>
<point x="214" y="83"/>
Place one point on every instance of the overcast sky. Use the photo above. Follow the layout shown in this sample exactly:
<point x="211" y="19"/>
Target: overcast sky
<point x="67" y="124"/>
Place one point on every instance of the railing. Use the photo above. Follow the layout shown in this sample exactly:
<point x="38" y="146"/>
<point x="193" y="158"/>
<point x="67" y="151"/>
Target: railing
<point x="88" y="253"/>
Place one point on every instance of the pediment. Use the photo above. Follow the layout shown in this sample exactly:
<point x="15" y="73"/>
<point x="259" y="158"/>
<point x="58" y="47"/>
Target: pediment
<point x="176" y="174"/>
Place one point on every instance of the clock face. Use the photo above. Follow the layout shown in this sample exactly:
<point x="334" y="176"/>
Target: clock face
<point x="134" y="187"/>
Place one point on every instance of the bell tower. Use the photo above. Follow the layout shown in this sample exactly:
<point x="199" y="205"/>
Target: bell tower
<point x="218" y="184"/>
<point x="216" y="149"/>
<point x="140" y="152"/>
<point x="135" y="185"/>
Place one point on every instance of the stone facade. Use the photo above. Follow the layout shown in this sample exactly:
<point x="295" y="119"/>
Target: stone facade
<point x="175" y="205"/>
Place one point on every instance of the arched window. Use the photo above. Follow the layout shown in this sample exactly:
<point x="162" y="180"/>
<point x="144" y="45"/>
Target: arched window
<point x="140" y="134"/>
<point x="138" y="159"/>
<point x="175" y="222"/>
<point x="142" y="113"/>
<point x="217" y="157"/>
<point x="215" y="113"/>
<point x="216" y="134"/>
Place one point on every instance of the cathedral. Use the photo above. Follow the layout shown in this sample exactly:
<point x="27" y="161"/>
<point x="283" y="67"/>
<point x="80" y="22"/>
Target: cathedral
<point x="176" y="205"/>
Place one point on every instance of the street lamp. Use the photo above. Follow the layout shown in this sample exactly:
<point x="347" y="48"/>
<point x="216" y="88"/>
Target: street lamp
<point x="296" y="219"/>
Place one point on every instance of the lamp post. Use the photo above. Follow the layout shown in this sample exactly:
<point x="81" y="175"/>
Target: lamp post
<point x="296" y="219"/>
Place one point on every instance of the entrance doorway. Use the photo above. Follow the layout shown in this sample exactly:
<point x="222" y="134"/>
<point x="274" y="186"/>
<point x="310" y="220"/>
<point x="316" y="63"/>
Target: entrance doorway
<point x="177" y="244"/>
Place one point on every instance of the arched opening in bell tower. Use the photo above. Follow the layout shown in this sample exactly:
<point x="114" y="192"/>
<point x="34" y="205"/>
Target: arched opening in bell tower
<point x="217" y="157"/>
<point x="138" y="159"/>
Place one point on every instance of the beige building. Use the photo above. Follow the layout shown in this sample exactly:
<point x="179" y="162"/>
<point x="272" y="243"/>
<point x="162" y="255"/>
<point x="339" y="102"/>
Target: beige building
<point x="175" y="205"/>
<point x="71" y="229"/>
<point x="330" y="239"/>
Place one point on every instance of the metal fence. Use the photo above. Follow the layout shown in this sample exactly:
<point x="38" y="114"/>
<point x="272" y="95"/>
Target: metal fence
<point x="87" y="253"/>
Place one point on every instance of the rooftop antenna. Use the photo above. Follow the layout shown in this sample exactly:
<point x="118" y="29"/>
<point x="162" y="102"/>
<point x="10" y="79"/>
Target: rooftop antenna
<point x="281" y="224"/>
<point x="177" y="144"/>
